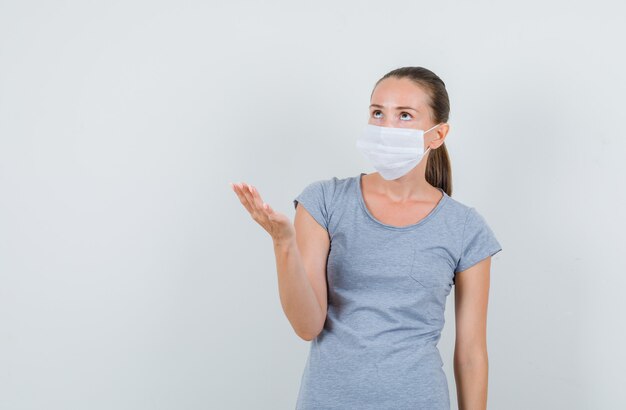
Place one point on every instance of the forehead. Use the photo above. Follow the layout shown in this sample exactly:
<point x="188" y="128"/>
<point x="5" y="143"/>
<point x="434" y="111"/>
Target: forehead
<point x="392" y="92"/>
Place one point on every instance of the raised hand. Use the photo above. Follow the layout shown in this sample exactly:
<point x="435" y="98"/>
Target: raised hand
<point x="278" y="225"/>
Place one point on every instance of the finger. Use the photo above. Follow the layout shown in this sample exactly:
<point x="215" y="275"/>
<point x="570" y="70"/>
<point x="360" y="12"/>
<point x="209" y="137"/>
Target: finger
<point x="242" y="197"/>
<point x="264" y="207"/>
<point x="247" y="194"/>
<point x="252" y="200"/>
<point x="268" y="209"/>
<point x="247" y="190"/>
<point x="258" y="201"/>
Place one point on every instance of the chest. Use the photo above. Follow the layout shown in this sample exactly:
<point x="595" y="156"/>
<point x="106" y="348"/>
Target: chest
<point x="398" y="214"/>
<point x="362" y="258"/>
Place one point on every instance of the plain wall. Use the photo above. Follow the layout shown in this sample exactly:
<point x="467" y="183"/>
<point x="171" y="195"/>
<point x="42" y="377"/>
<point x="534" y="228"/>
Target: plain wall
<point x="131" y="277"/>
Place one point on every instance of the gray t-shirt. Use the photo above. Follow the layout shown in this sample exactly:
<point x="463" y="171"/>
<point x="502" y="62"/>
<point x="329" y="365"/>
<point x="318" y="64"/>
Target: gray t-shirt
<point x="387" y="289"/>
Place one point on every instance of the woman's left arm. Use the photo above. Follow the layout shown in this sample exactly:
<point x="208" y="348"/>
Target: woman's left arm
<point x="471" y="364"/>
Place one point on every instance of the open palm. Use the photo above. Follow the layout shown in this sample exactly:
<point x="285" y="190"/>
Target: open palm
<point x="278" y="225"/>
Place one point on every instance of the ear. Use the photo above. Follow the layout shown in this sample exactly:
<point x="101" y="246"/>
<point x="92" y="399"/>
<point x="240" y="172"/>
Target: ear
<point x="440" y="136"/>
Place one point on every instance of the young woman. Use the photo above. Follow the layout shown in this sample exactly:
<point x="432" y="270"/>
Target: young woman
<point x="375" y="256"/>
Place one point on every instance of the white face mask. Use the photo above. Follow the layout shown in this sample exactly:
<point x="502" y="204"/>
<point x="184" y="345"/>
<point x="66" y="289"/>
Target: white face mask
<point x="392" y="151"/>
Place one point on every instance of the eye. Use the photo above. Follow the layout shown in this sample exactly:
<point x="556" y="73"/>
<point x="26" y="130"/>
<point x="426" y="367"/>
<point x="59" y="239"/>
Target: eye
<point x="374" y="113"/>
<point x="410" y="116"/>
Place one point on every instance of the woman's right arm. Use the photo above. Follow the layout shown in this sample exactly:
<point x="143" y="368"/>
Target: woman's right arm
<point x="301" y="266"/>
<point x="301" y="251"/>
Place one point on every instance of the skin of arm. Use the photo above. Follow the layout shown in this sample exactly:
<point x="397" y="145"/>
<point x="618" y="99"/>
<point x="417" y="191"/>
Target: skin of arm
<point x="471" y="362"/>
<point x="301" y="251"/>
<point x="301" y="268"/>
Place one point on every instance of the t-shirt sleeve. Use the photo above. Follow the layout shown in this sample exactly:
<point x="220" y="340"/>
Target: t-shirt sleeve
<point x="479" y="241"/>
<point x="314" y="198"/>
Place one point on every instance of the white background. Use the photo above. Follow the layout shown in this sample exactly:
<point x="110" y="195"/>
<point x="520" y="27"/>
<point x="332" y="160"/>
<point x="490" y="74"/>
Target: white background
<point x="131" y="277"/>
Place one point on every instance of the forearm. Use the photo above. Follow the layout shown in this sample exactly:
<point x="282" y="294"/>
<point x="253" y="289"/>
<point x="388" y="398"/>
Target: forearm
<point x="297" y="296"/>
<point x="471" y="373"/>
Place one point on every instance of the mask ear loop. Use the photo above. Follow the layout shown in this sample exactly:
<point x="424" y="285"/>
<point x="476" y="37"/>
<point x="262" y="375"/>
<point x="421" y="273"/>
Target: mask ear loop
<point x="430" y="130"/>
<point x="433" y="127"/>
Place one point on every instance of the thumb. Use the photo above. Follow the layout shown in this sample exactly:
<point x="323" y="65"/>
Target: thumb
<point x="268" y="209"/>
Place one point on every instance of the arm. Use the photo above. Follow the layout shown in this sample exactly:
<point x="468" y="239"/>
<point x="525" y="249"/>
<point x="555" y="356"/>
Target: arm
<point x="301" y="251"/>
<point x="301" y="266"/>
<point x="471" y="362"/>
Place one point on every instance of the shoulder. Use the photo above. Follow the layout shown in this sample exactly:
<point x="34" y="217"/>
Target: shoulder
<point x="477" y="239"/>
<point x="320" y="198"/>
<point x="462" y="209"/>
<point x="327" y="189"/>
<point x="334" y="182"/>
<point x="457" y="211"/>
<point x="466" y="217"/>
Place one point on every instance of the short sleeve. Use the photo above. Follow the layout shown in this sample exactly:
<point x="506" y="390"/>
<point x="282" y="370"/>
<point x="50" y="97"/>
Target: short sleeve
<point x="315" y="198"/>
<point x="478" y="242"/>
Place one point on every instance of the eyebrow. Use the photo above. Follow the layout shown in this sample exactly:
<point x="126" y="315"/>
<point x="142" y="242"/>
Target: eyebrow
<point x="397" y="108"/>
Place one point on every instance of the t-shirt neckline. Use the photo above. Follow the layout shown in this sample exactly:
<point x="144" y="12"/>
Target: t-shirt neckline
<point x="419" y="223"/>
